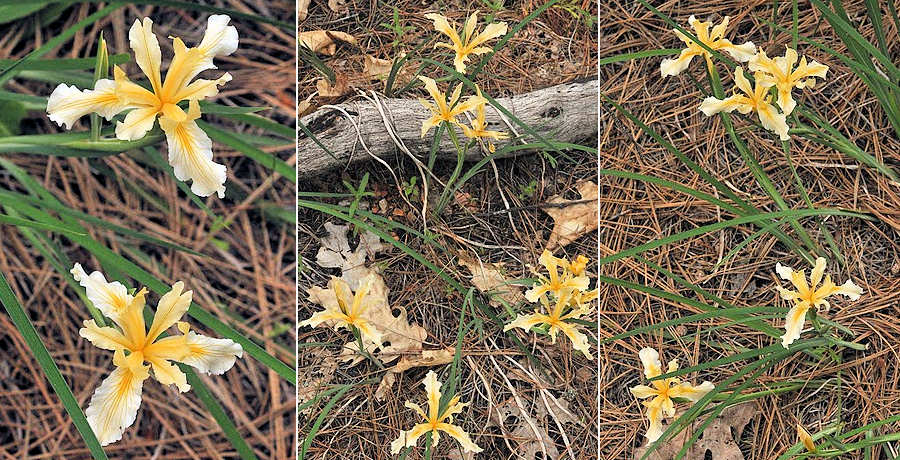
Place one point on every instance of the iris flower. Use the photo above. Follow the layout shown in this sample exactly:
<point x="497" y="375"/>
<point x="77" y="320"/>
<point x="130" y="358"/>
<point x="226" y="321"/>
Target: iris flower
<point x="435" y="421"/>
<point x="136" y="351"/>
<point x="469" y="43"/>
<point x="806" y="439"/>
<point x="663" y="391"/>
<point x="479" y="126"/>
<point x="190" y="149"/>
<point x="558" y="281"/>
<point x="714" y="40"/>
<point x="348" y="310"/>
<point x="752" y="100"/>
<point x="567" y="307"/>
<point x="809" y="295"/>
<point x="780" y="72"/>
<point x="443" y="109"/>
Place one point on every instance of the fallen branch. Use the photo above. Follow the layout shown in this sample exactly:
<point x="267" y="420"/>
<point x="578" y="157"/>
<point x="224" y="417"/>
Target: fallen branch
<point x="563" y="113"/>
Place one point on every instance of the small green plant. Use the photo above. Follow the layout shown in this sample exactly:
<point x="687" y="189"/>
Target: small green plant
<point x="410" y="191"/>
<point x="397" y="27"/>
<point x="574" y="8"/>
<point x="528" y="190"/>
<point x="358" y="192"/>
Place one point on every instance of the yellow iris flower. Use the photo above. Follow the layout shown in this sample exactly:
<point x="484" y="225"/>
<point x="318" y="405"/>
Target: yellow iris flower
<point x="190" y="149"/>
<point x="809" y="295"/>
<point x="780" y="72"/>
<point x="714" y="40"/>
<point x="348" y="310"/>
<point x="469" y="43"/>
<point x="752" y="100"/>
<point x="114" y="405"/>
<point x="662" y="391"/>
<point x="479" y="125"/>
<point x="567" y="307"/>
<point x="559" y="281"/>
<point x="434" y="421"/>
<point x="806" y="439"/>
<point x="443" y="109"/>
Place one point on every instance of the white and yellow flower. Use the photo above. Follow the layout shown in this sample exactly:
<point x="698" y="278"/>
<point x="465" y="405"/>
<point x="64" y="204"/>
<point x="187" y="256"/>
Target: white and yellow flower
<point x="559" y="281"/>
<point x="435" y="420"/>
<point x="567" y="307"/>
<point x="663" y="391"/>
<point x="469" y="43"/>
<point x="348" y="310"/>
<point x="479" y="130"/>
<point x="809" y="295"/>
<point x="752" y="100"/>
<point x="806" y="439"/>
<point x="443" y="109"/>
<point x="136" y="351"/>
<point x="190" y="150"/>
<point x="714" y="40"/>
<point x="780" y="72"/>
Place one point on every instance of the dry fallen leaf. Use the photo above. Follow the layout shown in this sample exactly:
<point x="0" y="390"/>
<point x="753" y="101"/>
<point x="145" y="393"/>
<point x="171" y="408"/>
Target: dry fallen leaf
<point x="341" y="86"/>
<point x="315" y="378"/>
<point x="302" y="10"/>
<point x="574" y="220"/>
<point x="325" y="41"/>
<point x="488" y="278"/>
<point x="425" y="358"/>
<point x="530" y="443"/>
<point x="338" y="6"/>
<point x="718" y="438"/>
<point x="335" y="252"/>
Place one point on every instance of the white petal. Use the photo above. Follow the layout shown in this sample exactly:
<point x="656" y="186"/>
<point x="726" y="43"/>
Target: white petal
<point x="110" y="298"/>
<point x="209" y="355"/>
<point x="114" y="404"/>
<point x="849" y="289"/>
<point x="67" y="103"/>
<point x="136" y="124"/>
<point x="785" y="273"/>
<point x="190" y="154"/>
<point x="220" y="39"/>
<point x="650" y="360"/>
<point x="147" y="54"/>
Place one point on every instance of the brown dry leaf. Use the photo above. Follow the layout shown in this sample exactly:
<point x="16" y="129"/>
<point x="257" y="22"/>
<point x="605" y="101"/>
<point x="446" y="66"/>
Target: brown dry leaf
<point x="302" y="10"/>
<point x="530" y="444"/>
<point x="335" y="252"/>
<point x="341" y="86"/>
<point x="338" y="6"/>
<point x="325" y="41"/>
<point x="488" y="278"/>
<point x="424" y="359"/>
<point x="572" y="221"/>
<point x="717" y="437"/>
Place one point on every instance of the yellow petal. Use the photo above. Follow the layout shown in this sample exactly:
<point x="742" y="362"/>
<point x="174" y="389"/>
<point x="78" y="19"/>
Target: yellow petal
<point x="461" y="436"/>
<point x="490" y="32"/>
<point x="526" y="322"/>
<point x="694" y="393"/>
<point x="579" y="340"/>
<point x="650" y="360"/>
<point x="146" y="51"/>
<point x="436" y="95"/>
<point x="740" y="53"/>
<point x="672" y="67"/>
<point x="191" y="157"/>
<point x="209" y="355"/>
<point x="443" y="26"/>
<point x="794" y="323"/>
<point x="643" y="391"/>
<point x="115" y="403"/>
<point x="168" y="374"/>
<point x="818" y="270"/>
<point x="131" y="93"/>
<point x="136" y="124"/>
<point x="171" y="307"/>
<point x="202" y="89"/>
<point x="654" y="416"/>
<point x="67" y="103"/>
<point x="849" y="289"/>
<point x="773" y="121"/>
<point x="433" y="391"/>
<point x="107" y="338"/>
<point x="172" y="348"/>
<point x="806" y="439"/>
<point x="711" y="105"/>
<point x="409" y="438"/>
<point x="368" y="332"/>
<point x="417" y="408"/>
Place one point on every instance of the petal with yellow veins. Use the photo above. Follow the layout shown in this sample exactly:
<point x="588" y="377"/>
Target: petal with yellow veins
<point x="111" y="298"/>
<point x="67" y="103"/>
<point x="171" y="307"/>
<point x="461" y="436"/>
<point x="115" y="403"/>
<point x="209" y="355"/>
<point x="650" y="360"/>
<point x="105" y="337"/>
<point x="147" y="54"/>
<point x="167" y="373"/>
<point x="190" y="154"/>
<point x="136" y="124"/>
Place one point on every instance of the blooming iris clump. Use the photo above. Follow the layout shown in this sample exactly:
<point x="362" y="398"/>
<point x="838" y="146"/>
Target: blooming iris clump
<point x="479" y="130"/>
<point x="754" y="99"/>
<point x="809" y="295"/>
<point x="348" y="310"/>
<point x="443" y="109"/>
<point x="663" y="391"/>
<point x="568" y="292"/>
<point x="435" y="420"/>
<point x="137" y="351"/>
<point x="468" y="43"/>
<point x="714" y="41"/>
<point x="780" y="73"/>
<point x="190" y="149"/>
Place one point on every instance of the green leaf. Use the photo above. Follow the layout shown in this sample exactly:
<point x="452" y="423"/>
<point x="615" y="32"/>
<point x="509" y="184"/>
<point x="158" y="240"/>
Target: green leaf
<point x="11" y="115"/>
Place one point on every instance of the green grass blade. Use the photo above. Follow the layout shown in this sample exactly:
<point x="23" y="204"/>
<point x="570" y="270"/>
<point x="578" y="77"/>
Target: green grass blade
<point x="218" y="413"/>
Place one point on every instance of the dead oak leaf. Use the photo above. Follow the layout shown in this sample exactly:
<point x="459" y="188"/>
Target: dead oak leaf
<point x="340" y="87"/>
<point x="571" y="219"/>
<point x="718" y="438"/>
<point x="424" y="359"/>
<point x="335" y="252"/>
<point x="325" y="41"/>
<point x="488" y="278"/>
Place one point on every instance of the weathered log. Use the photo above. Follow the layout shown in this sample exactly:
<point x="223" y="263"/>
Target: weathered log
<point x="564" y="113"/>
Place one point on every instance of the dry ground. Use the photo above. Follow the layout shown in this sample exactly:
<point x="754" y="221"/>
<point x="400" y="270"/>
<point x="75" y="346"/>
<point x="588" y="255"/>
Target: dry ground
<point x="633" y="213"/>
<point x="556" y="48"/>
<point x="246" y="276"/>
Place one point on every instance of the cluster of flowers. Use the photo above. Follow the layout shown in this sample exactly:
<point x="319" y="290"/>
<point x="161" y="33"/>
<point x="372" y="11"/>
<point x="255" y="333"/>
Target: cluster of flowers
<point x="447" y="110"/>
<point x="779" y="72"/>
<point x="190" y="149"/>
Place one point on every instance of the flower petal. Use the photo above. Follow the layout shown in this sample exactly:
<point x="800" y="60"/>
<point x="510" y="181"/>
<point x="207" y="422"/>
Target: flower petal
<point x="136" y="124"/>
<point x="579" y="340"/>
<point x="220" y="39"/>
<point x="146" y="51"/>
<point x="492" y="31"/>
<point x="409" y="438"/>
<point x="711" y="105"/>
<point x="643" y="391"/>
<point x="794" y="323"/>
<point x="433" y="391"/>
<point x="818" y="270"/>
<point x="209" y="355"/>
<point x="694" y="393"/>
<point x="167" y="373"/>
<point x="171" y="307"/>
<point x="112" y="299"/>
<point x="786" y="273"/>
<point x="672" y="67"/>
<point x="190" y="154"/>
<point x="107" y="338"/>
<point x="202" y="89"/>
<point x="443" y="26"/>
<point x="654" y="415"/>
<point x="773" y="121"/>
<point x="115" y="403"/>
<point x="650" y="360"/>
<point x="849" y="289"/>
<point x="67" y="103"/>
<point x="740" y="53"/>
<point x="461" y="436"/>
<point x="526" y="322"/>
